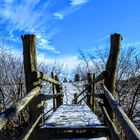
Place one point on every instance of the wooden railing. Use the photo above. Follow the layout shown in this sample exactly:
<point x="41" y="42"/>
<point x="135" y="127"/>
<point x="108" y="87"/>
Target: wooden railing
<point x="126" y="124"/>
<point x="33" y="98"/>
<point x="130" y="130"/>
<point x="10" y="113"/>
<point x="109" y="106"/>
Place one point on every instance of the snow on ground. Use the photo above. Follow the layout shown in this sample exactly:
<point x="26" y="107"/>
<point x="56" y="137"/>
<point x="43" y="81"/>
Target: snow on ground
<point x="73" y="116"/>
<point x="69" y="89"/>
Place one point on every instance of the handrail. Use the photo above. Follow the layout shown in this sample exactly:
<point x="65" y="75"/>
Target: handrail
<point x="81" y="100"/>
<point x="8" y="114"/>
<point x="42" y="76"/>
<point x="99" y="96"/>
<point x="100" y="77"/>
<point x="110" y="124"/>
<point x="130" y="130"/>
<point x="30" y="128"/>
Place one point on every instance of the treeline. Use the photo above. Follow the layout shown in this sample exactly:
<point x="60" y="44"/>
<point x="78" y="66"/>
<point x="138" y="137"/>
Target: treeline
<point x="12" y="81"/>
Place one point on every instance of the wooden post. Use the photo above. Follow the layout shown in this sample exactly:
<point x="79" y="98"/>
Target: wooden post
<point x="90" y="99"/>
<point x="30" y="65"/>
<point x="93" y="92"/>
<point x="75" y="98"/>
<point x="54" y="104"/>
<point x="111" y="68"/>
<point x="59" y="99"/>
<point x="57" y="87"/>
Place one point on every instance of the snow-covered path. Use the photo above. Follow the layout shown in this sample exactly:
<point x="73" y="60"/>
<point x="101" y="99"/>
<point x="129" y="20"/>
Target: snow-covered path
<point x="73" y="116"/>
<point x="69" y="89"/>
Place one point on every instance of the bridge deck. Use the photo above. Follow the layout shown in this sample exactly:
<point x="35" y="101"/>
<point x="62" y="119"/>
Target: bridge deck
<point x="73" y="117"/>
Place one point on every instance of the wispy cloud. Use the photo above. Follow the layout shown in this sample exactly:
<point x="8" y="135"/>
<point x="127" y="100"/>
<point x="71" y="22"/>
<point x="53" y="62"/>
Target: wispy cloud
<point x="70" y="62"/>
<point x="45" y="44"/>
<point x="78" y="2"/>
<point x="29" y="16"/>
<point x="58" y="15"/>
<point x="74" y="6"/>
<point x="35" y="16"/>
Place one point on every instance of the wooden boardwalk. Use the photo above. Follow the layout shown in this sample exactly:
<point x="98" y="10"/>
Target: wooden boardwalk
<point x="73" y="121"/>
<point x="70" y="121"/>
<point x="73" y="116"/>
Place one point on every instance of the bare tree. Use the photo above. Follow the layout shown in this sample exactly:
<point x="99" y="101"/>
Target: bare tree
<point x="128" y="76"/>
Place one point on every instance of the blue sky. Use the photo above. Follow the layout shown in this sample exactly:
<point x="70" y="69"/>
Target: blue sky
<point x="64" y="26"/>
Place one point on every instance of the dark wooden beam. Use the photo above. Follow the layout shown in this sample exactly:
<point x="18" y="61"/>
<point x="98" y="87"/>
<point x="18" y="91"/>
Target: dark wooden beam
<point x="110" y="124"/>
<point x="30" y="65"/>
<point x="111" y="68"/>
<point x="42" y="76"/>
<point x="130" y="130"/>
<point x="13" y="111"/>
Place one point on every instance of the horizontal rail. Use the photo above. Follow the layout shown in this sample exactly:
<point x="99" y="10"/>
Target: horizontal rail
<point x="45" y="118"/>
<point x="44" y="77"/>
<point x="130" y="130"/>
<point x="100" y="77"/>
<point x="30" y="128"/>
<point x="81" y="99"/>
<point x="110" y="124"/>
<point x="8" y="114"/>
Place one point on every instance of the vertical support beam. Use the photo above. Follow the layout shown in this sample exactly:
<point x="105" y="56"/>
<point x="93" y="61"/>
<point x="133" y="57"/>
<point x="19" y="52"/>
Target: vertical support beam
<point x="75" y="98"/>
<point x="111" y="67"/>
<point x="59" y="99"/>
<point x="54" y="103"/>
<point x="57" y="87"/>
<point x="30" y="65"/>
<point x="93" y="91"/>
<point x="89" y="89"/>
<point x="30" y="60"/>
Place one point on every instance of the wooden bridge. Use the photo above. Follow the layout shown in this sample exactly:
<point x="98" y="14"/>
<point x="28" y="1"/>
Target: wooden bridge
<point x="73" y="120"/>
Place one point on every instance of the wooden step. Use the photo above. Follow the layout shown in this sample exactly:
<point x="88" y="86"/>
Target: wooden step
<point x="73" y="133"/>
<point x="72" y="121"/>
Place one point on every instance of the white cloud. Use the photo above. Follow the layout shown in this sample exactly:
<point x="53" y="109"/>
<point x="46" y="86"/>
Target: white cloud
<point x="44" y="44"/>
<point x="58" y="15"/>
<point x="78" y="2"/>
<point x="74" y="6"/>
<point x="70" y="62"/>
<point x="24" y="17"/>
<point x="23" y="14"/>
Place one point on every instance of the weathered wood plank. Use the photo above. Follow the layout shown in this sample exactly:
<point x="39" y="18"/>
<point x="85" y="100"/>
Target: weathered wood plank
<point x="75" y="98"/>
<point x="28" y="131"/>
<point x="42" y="76"/>
<point x="14" y="110"/>
<point x="112" y="128"/>
<point x="73" y="116"/>
<point x="53" y="91"/>
<point x="111" y="68"/>
<point x="130" y="130"/>
<point x="30" y="65"/>
<point x="77" y="133"/>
